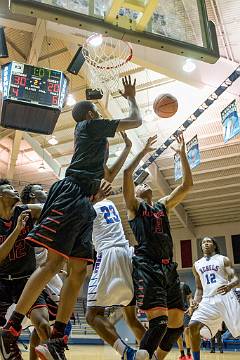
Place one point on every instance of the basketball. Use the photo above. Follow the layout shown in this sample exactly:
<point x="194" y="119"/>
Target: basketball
<point x="165" y="105"/>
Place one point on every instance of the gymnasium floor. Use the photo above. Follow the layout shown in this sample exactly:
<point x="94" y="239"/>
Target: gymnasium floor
<point x="106" y="353"/>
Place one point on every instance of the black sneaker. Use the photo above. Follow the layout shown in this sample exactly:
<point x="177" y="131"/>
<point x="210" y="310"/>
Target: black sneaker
<point x="53" y="349"/>
<point x="8" y="345"/>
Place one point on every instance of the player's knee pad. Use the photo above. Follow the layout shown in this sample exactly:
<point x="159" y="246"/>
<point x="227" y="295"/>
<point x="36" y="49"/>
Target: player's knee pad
<point x="171" y="336"/>
<point x="153" y="336"/>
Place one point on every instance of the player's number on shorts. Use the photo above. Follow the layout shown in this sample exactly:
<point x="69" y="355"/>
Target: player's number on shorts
<point x="110" y="214"/>
<point x="211" y="278"/>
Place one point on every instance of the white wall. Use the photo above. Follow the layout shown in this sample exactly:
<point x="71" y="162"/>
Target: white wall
<point x="225" y="230"/>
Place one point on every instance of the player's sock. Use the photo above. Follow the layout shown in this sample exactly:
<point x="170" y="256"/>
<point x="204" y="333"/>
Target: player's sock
<point x="188" y="352"/>
<point x="182" y="352"/>
<point x="196" y="355"/>
<point x="119" y="346"/>
<point x="15" y="321"/>
<point x="58" y="330"/>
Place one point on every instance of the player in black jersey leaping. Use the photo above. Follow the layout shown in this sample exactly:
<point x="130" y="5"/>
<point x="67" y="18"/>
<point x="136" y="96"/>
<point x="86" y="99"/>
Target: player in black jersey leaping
<point x="17" y="259"/>
<point x="156" y="282"/>
<point x="66" y="222"/>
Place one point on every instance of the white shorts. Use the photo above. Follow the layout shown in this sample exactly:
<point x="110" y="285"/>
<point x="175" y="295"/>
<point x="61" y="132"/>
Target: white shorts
<point x="111" y="281"/>
<point x="213" y="310"/>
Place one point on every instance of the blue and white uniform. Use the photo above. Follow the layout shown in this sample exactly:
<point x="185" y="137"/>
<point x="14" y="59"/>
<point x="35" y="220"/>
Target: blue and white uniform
<point x="111" y="280"/>
<point x="215" y="308"/>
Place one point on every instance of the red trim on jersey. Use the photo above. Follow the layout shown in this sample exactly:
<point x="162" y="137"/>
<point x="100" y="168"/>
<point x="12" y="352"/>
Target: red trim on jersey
<point x="57" y="212"/>
<point x="55" y="221"/>
<point x="44" y="237"/>
<point x="46" y="246"/>
<point x="48" y="228"/>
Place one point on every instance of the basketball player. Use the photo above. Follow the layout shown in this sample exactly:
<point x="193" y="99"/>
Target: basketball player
<point x="111" y="280"/>
<point x="215" y="278"/>
<point x="65" y="225"/>
<point x="17" y="258"/>
<point x="35" y="194"/>
<point x="187" y="302"/>
<point x="156" y="281"/>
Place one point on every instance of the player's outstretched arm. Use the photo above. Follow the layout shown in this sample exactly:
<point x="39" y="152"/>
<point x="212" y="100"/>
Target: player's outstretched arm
<point x="134" y="120"/>
<point x="177" y="195"/>
<point x="128" y="184"/>
<point x="233" y="278"/>
<point x="111" y="172"/>
<point x="8" y="244"/>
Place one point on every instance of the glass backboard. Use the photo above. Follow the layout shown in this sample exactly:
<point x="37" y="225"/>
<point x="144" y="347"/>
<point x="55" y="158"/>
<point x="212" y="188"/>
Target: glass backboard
<point x="177" y="26"/>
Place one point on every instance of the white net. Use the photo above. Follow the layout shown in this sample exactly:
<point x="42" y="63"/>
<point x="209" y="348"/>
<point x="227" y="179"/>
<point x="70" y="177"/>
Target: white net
<point x="107" y="60"/>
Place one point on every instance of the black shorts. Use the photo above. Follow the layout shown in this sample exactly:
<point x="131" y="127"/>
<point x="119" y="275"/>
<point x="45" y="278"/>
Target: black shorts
<point x="66" y="222"/>
<point x="10" y="292"/>
<point x="156" y="285"/>
<point x="51" y="305"/>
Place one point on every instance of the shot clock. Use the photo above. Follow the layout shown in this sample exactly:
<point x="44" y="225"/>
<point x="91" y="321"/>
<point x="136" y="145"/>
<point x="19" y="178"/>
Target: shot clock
<point x="32" y="98"/>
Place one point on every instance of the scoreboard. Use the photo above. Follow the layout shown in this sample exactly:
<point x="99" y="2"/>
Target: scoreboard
<point x="32" y="89"/>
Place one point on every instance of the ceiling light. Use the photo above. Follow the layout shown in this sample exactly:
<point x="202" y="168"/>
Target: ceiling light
<point x="53" y="140"/>
<point x="71" y="101"/>
<point x="95" y="40"/>
<point x="41" y="168"/>
<point x="189" y="66"/>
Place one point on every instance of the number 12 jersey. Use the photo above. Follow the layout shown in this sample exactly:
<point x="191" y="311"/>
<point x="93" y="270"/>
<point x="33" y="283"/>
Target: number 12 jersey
<point x="212" y="273"/>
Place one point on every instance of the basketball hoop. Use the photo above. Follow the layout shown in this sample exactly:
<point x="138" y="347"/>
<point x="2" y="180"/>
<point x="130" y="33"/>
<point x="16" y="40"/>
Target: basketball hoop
<point x="106" y="59"/>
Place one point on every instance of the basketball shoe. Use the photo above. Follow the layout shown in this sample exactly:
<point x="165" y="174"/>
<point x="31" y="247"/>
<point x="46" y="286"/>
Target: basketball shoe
<point x="9" y="349"/>
<point x="53" y="349"/>
<point x="132" y="354"/>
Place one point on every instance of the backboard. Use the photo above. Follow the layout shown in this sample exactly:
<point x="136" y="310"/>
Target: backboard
<point x="176" y="26"/>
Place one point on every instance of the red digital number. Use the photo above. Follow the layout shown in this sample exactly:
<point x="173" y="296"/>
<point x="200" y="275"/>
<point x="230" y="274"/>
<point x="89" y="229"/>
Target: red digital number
<point x="15" y="91"/>
<point x="56" y="88"/>
<point x="18" y="251"/>
<point x="20" y="80"/>
<point x="50" y="86"/>
<point x="55" y="100"/>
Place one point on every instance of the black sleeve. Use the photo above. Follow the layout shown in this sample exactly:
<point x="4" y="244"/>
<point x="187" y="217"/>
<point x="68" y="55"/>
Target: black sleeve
<point x="102" y="128"/>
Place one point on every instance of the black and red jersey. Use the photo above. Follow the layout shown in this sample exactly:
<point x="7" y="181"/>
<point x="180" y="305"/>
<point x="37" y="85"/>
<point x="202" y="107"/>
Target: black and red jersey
<point x="152" y="231"/>
<point x="21" y="259"/>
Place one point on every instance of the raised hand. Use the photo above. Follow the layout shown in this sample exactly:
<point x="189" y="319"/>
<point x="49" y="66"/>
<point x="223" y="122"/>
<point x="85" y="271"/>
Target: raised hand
<point x="22" y="220"/>
<point x="149" y="147"/>
<point x="129" y="88"/>
<point x="126" y="139"/>
<point x="180" y="148"/>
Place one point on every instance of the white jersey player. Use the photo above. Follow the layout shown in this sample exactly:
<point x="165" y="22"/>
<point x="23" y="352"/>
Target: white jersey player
<point x="215" y="298"/>
<point x="111" y="281"/>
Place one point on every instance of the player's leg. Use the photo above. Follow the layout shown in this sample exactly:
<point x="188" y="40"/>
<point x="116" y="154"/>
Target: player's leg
<point x="34" y="342"/>
<point x="188" y="342"/>
<point x="174" y="331"/>
<point x="151" y="297"/>
<point x="130" y="316"/>
<point x="181" y="348"/>
<point x="54" y="348"/>
<point x="175" y="311"/>
<point x="195" y="327"/>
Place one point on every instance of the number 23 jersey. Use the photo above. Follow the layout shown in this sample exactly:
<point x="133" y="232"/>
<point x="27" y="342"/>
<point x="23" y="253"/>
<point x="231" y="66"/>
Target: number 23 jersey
<point x="212" y="273"/>
<point x="21" y="259"/>
<point x="107" y="227"/>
